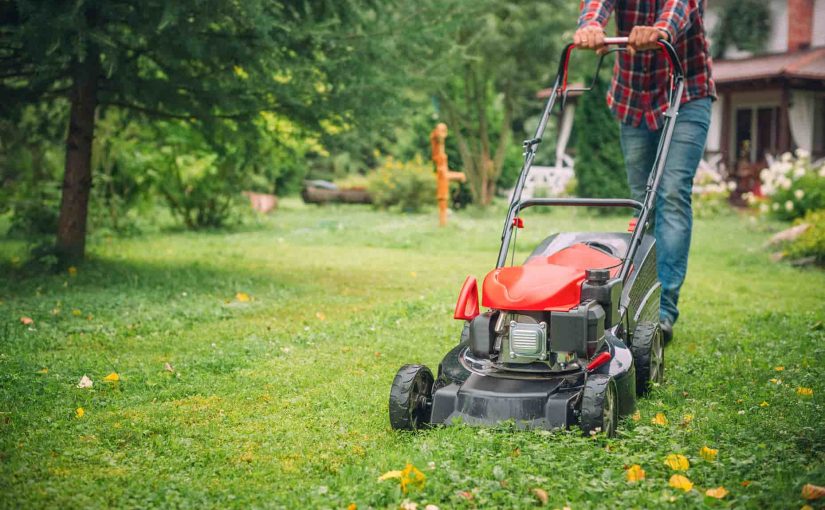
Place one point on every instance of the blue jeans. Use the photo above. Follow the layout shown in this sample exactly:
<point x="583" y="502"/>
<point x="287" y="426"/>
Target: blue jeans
<point x="673" y="215"/>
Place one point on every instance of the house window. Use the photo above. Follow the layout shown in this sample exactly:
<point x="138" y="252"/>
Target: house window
<point x="757" y="132"/>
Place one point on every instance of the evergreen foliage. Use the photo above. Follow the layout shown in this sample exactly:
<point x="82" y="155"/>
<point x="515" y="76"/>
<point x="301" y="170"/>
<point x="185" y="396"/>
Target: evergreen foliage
<point x="600" y="170"/>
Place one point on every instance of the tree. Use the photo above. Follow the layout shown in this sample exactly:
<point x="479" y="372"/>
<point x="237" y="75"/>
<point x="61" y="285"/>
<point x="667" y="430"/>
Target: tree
<point x="599" y="161"/>
<point x="501" y="56"/>
<point x="219" y="60"/>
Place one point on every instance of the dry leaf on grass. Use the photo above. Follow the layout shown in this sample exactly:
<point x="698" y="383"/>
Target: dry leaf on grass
<point x="708" y="454"/>
<point x="85" y="382"/>
<point x="805" y="392"/>
<point x="541" y="495"/>
<point x="27" y="321"/>
<point x="635" y="473"/>
<point x="677" y="462"/>
<point x="242" y="297"/>
<point x="718" y="493"/>
<point x="680" y="482"/>
<point x="168" y="367"/>
<point x="113" y="377"/>
<point x="812" y="492"/>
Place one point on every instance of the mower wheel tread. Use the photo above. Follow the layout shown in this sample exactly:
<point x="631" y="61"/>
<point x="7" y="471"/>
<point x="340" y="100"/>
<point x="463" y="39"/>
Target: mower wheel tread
<point x="600" y="406"/>
<point x="647" y="339"/>
<point x="409" y="397"/>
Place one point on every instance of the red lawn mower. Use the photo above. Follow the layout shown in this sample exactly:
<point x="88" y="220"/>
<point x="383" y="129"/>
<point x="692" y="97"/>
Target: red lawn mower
<point x="572" y="335"/>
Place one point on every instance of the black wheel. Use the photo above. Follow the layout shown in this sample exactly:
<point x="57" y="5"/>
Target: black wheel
<point x="648" y="350"/>
<point x="411" y="397"/>
<point x="600" y="405"/>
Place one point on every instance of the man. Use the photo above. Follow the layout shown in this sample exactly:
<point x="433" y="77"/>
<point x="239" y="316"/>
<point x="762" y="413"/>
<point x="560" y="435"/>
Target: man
<point x="638" y="98"/>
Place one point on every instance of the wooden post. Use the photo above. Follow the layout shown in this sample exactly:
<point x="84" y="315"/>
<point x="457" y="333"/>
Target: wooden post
<point x="443" y="173"/>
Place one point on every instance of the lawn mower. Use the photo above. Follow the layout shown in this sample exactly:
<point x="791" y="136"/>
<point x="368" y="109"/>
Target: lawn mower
<point x="571" y="336"/>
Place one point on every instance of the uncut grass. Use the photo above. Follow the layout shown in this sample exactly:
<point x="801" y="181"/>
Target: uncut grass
<point x="281" y="401"/>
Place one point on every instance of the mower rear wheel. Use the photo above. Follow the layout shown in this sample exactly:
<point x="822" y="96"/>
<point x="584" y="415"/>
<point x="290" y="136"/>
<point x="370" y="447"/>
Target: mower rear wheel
<point x="600" y="405"/>
<point x="648" y="349"/>
<point x="411" y="397"/>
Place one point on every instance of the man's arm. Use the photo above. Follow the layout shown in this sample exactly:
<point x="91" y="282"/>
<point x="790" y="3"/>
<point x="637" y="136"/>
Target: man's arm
<point x="593" y="18"/>
<point x="674" y="17"/>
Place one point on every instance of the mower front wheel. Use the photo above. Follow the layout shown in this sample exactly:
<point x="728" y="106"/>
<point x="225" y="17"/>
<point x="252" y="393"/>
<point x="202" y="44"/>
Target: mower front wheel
<point x="600" y="405"/>
<point x="648" y="350"/>
<point x="411" y="397"/>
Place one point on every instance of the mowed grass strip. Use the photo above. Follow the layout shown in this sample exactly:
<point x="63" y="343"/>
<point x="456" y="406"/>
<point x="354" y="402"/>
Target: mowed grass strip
<point x="280" y="401"/>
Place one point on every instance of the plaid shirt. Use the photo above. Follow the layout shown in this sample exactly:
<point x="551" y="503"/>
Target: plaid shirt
<point x="640" y="84"/>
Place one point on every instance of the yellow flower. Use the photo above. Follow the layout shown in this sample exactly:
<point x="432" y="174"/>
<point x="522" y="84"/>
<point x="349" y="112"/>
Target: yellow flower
<point x="72" y="271"/>
<point x="764" y="404"/>
<point x="779" y="368"/>
<point x="243" y="297"/>
<point x="709" y="454"/>
<point x="635" y="473"/>
<point x="79" y="412"/>
<point x="805" y="392"/>
<point x="686" y="419"/>
<point x="677" y="462"/>
<point x="390" y="474"/>
<point x="680" y="482"/>
<point x="718" y="493"/>
<point x="659" y="419"/>
<point x="113" y="377"/>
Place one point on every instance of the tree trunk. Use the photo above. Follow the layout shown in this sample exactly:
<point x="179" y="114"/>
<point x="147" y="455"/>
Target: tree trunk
<point x="77" y="177"/>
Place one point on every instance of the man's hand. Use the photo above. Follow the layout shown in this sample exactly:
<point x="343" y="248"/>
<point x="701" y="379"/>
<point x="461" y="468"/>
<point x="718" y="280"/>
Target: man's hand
<point x="644" y="38"/>
<point x="590" y="38"/>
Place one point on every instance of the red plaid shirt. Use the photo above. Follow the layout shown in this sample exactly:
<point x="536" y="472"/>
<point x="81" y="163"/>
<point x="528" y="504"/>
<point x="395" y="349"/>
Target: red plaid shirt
<point x="640" y="84"/>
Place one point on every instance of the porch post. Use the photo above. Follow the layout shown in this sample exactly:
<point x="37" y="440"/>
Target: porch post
<point x="784" y="141"/>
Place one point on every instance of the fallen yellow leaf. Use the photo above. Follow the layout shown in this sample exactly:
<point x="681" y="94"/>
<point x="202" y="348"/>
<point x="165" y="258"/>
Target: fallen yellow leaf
<point x="764" y="404"/>
<point x="72" y="271"/>
<point x="686" y="419"/>
<point x="541" y="495"/>
<point x="660" y="419"/>
<point x="26" y="321"/>
<point x="411" y="476"/>
<point x="779" y="368"/>
<point x="413" y="274"/>
<point x="390" y="474"/>
<point x="76" y="312"/>
<point x="718" y="493"/>
<point x="775" y="380"/>
<point x="806" y="507"/>
<point x="680" y="482"/>
<point x="43" y="370"/>
<point x="352" y="506"/>
<point x="805" y="392"/>
<point x="320" y="316"/>
<point x="79" y="412"/>
<point x="708" y="454"/>
<point x="635" y="473"/>
<point x="113" y="377"/>
<point x="677" y="462"/>
<point x="243" y="297"/>
<point x="812" y="492"/>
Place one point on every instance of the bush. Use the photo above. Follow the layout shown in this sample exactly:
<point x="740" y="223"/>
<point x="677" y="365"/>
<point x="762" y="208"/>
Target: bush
<point x="791" y="187"/>
<point x="710" y="192"/>
<point x="812" y="242"/>
<point x="409" y="185"/>
<point x="599" y="162"/>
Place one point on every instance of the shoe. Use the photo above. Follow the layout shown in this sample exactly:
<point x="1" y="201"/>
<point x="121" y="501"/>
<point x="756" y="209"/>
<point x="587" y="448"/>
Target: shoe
<point x="667" y="330"/>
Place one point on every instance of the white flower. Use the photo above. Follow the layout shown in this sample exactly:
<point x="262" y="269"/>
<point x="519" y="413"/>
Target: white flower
<point x="789" y="206"/>
<point x="785" y="183"/>
<point x="787" y="157"/>
<point x="799" y="194"/>
<point x="731" y="186"/>
<point x="799" y="171"/>
<point x="763" y="208"/>
<point x="767" y="189"/>
<point x="822" y="171"/>
<point x="775" y="206"/>
<point x="764" y="175"/>
<point x="802" y="153"/>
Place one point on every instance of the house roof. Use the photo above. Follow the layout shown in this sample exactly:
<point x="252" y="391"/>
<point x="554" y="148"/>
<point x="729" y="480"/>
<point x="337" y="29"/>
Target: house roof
<point x="806" y="64"/>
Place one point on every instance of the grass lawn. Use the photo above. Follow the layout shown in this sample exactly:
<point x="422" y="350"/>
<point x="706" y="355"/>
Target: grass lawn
<point x="281" y="400"/>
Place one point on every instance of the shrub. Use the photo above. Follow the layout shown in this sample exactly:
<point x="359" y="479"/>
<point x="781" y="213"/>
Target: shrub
<point x="710" y="192"/>
<point x="812" y="242"/>
<point x="409" y="185"/>
<point x="792" y="187"/>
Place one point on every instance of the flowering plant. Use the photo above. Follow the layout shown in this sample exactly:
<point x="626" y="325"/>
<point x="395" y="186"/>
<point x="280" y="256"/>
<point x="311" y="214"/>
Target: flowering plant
<point x="711" y="192"/>
<point x="791" y="187"/>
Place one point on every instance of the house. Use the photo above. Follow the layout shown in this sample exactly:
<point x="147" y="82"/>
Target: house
<point x="773" y="101"/>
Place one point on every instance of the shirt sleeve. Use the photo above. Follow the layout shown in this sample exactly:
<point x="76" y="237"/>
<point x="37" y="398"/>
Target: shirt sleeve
<point x="594" y="13"/>
<point x="674" y="16"/>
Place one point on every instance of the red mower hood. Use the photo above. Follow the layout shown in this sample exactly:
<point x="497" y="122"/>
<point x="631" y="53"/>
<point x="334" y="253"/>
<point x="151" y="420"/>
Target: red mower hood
<point x="551" y="283"/>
